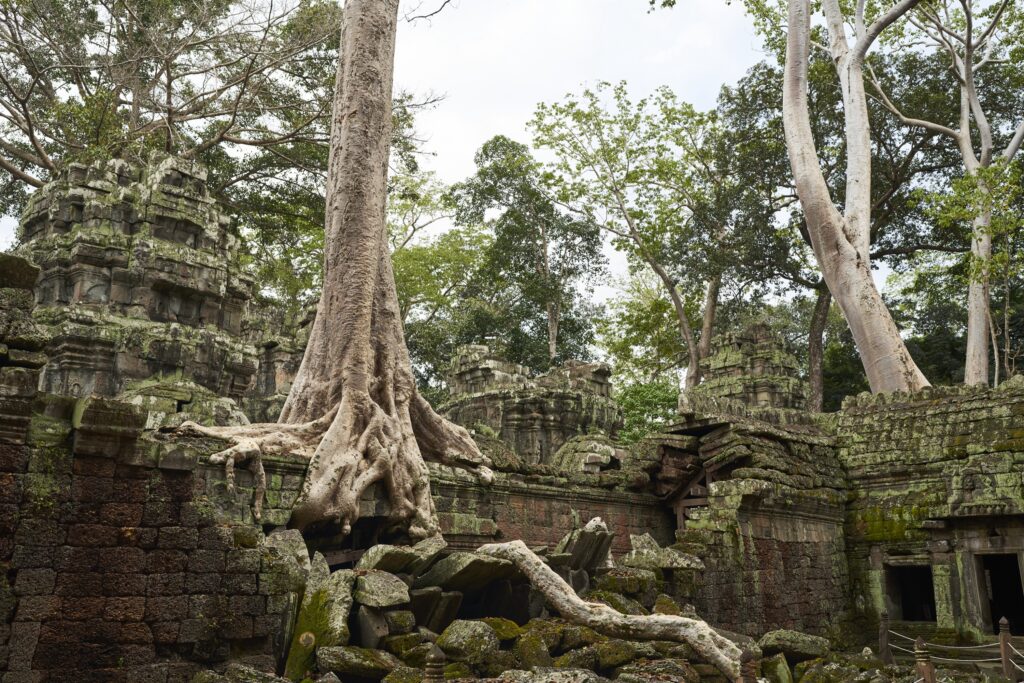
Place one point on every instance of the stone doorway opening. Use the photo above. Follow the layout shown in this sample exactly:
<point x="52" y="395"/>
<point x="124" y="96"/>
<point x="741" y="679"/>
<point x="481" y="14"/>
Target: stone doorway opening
<point x="1004" y="591"/>
<point x="911" y="592"/>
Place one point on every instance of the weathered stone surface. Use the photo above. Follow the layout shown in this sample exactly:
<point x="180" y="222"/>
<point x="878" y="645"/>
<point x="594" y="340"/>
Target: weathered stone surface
<point x="587" y="547"/>
<point x="465" y="572"/>
<point x="240" y="673"/>
<point x="776" y="669"/>
<point x="347" y="660"/>
<point x="323" y="615"/>
<point x="676" y="670"/>
<point x="290" y="543"/>
<point x="400" y="621"/>
<point x="372" y="628"/>
<point x="548" y="675"/>
<point x="388" y="558"/>
<point x="380" y="589"/>
<point x="445" y="611"/>
<point x="404" y="674"/>
<point x="795" y="645"/>
<point x="647" y="554"/>
<point x="535" y="416"/>
<point x="468" y="641"/>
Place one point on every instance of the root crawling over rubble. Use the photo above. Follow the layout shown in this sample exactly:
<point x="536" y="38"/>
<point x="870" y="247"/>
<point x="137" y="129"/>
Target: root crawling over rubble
<point x="707" y="643"/>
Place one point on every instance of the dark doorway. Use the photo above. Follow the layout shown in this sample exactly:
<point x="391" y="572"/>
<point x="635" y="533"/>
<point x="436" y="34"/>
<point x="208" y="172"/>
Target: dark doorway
<point x="1003" y="587"/>
<point x="911" y="592"/>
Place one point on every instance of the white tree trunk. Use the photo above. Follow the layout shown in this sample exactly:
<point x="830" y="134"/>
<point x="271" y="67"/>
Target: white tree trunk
<point x="978" y="302"/>
<point x="841" y="241"/>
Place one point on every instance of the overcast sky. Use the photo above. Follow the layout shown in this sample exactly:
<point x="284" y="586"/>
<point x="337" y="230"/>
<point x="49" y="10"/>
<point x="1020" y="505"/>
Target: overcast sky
<point x="494" y="60"/>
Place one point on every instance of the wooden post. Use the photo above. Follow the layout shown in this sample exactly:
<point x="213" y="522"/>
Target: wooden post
<point x="884" y="652"/>
<point x="434" y="671"/>
<point x="1004" y="648"/>
<point x="925" y="668"/>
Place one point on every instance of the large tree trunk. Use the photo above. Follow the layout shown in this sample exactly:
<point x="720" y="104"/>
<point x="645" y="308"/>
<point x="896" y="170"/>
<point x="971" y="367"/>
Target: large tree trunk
<point x="978" y="302"/>
<point x="840" y="241"/>
<point x="816" y="351"/>
<point x="356" y="368"/>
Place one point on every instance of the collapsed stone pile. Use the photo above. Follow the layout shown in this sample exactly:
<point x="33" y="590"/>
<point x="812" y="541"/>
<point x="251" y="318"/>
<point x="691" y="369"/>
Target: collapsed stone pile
<point x="385" y="618"/>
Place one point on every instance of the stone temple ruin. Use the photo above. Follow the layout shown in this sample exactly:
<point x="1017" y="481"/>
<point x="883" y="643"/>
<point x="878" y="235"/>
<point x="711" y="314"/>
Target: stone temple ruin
<point x="127" y="556"/>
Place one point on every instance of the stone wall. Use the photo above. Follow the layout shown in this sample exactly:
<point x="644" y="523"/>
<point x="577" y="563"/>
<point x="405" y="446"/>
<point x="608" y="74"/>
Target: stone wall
<point x="937" y="480"/>
<point x="762" y="505"/>
<point x="114" y="565"/>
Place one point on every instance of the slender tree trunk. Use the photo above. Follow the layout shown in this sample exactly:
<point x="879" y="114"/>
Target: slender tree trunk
<point x="685" y="331"/>
<point x="840" y="241"/>
<point x="978" y="302"/>
<point x="707" y="328"/>
<point x="354" y="402"/>
<point x="816" y="351"/>
<point x="553" y="315"/>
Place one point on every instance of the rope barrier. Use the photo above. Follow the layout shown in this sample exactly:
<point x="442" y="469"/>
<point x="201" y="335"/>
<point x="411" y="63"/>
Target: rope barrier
<point x="967" y="661"/>
<point x="963" y="647"/>
<point x="1016" y="651"/>
<point x="940" y="646"/>
<point x="902" y="636"/>
<point x="901" y="649"/>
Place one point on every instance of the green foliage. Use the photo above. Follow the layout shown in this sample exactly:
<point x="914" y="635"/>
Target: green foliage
<point x="540" y="251"/>
<point x="647" y="407"/>
<point x="638" y="333"/>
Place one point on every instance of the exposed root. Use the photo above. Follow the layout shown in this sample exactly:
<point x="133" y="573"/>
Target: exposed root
<point x="351" y="448"/>
<point x="705" y="641"/>
<point x="249" y="443"/>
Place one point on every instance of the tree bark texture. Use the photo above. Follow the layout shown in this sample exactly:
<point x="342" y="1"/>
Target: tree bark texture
<point x="840" y="241"/>
<point x="816" y="351"/>
<point x="354" y="402"/>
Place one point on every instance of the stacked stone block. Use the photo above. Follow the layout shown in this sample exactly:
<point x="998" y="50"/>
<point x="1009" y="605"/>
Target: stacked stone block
<point x="139" y="285"/>
<point x="534" y="416"/>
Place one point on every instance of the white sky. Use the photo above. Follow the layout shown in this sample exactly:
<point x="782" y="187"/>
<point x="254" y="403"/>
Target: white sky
<point x="494" y="60"/>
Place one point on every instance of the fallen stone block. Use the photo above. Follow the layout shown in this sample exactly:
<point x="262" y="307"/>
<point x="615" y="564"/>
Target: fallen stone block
<point x="347" y="661"/>
<point x="776" y="669"/>
<point x="795" y="645"/>
<point x="550" y="675"/>
<point x="380" y="589"/>
<point x="388" y="558"/>
<point x="466" y="572"/>
<point x="372" y="626"/>
<point x="422" y="601"/>
<point x="445" y="612"/>
<point x="588" y="547"/>
<point x="468" y="641"/>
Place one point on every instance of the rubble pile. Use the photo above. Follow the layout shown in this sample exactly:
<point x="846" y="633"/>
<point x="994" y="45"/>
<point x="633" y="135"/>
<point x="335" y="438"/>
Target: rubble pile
<point x="399" y="608"/>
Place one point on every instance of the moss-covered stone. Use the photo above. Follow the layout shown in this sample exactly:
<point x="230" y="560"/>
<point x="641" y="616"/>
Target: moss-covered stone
<point x="531" y="650"/>
<point x="349" y="661"/>
<point x="375" y="588"/>
<point x="620" y="603"/>
<point x="794" y="645"/>
<point x="676" y="670"/>
<point x="505" y="629"/>
<point x="468" y="641"/>
<point x="404" y="674"/>
<point x="776" y="669"/>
